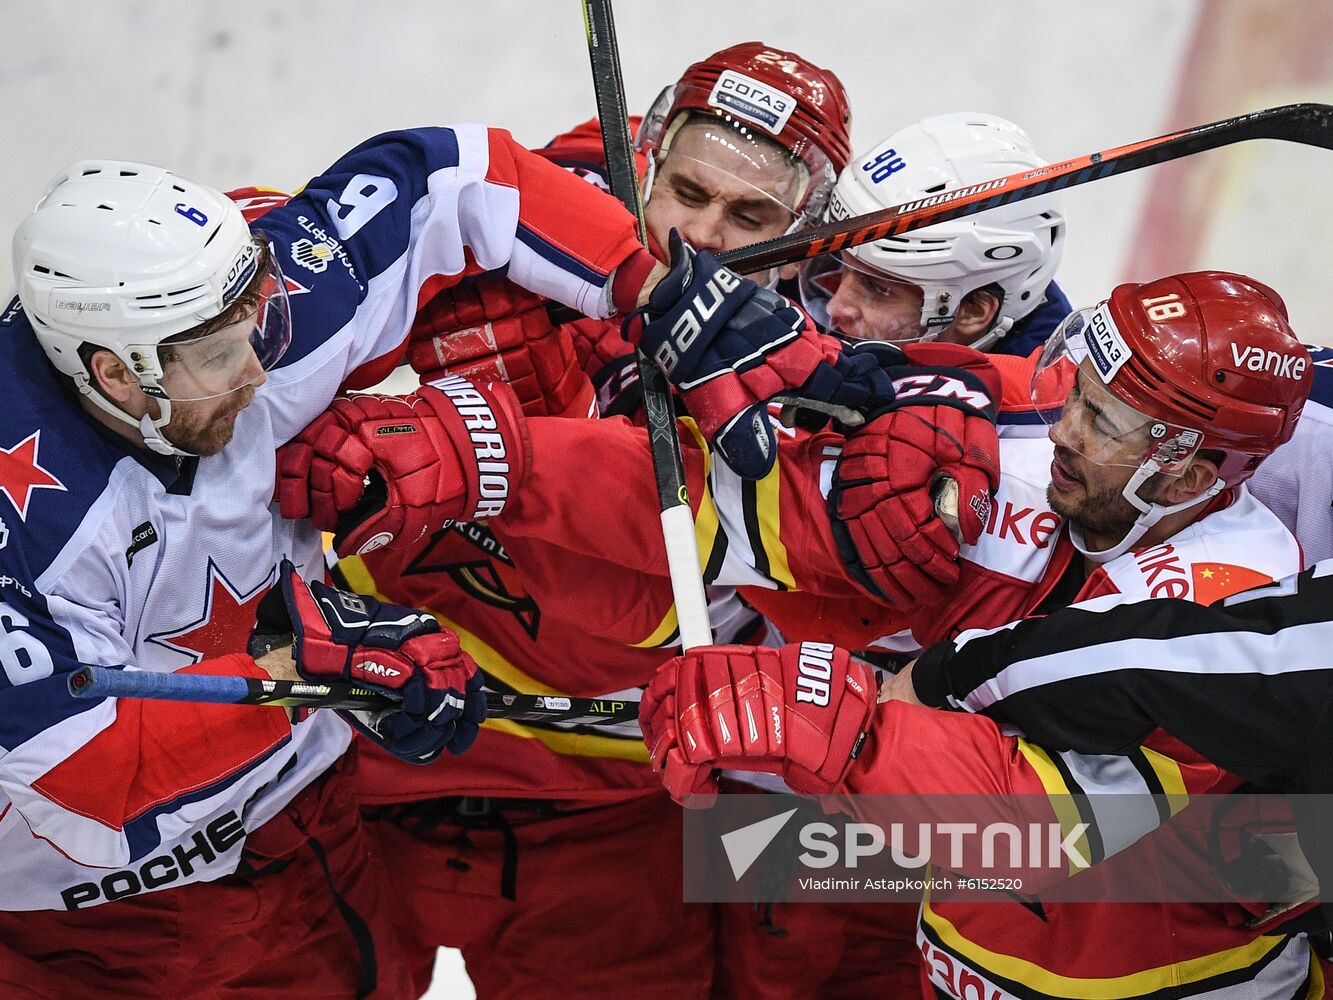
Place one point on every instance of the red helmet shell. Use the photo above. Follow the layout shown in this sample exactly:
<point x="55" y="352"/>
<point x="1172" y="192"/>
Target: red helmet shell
<point x="820" y="120"/>
<point x="1213" y="350"/>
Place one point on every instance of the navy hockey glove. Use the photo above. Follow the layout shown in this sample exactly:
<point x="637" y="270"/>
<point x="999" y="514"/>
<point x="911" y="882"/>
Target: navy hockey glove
<point x="852" y="388"/>
<point x="401" y="652"/>
<point x="728" y="346"/>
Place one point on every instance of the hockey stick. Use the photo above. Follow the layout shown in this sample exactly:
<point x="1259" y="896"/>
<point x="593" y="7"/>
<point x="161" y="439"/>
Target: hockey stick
<point x="687" y="584"/>
<point x="107" y="682"/>
<point x="1308" y="124"/>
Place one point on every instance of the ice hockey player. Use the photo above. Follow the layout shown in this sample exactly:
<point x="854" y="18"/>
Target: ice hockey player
<point x="985" y="280"/>
<point x="621" y="586"/>
<point x="162" y="352"/>
<point x="492" y="855"/>
<point x="978" y="280"/>
<point x="745" y="146"/>
<point x="1163" y="422"/>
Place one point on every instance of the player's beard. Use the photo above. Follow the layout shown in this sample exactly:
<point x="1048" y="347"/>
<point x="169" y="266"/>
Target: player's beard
<point x="1105" y="512"/>
<point x="202" y="427"/>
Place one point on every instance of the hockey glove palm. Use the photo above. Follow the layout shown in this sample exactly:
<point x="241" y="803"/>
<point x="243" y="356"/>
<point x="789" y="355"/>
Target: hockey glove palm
<point x="452" y="450"/>
<point x="800" y="712"/>
<point x="402" y="652"/>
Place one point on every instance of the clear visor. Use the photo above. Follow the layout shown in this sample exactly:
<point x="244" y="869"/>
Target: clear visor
<point x="798" y="179"/>
<point x="874" y="291"/>
<point x="236" y="355"/>
<point x="1092" y="421"/>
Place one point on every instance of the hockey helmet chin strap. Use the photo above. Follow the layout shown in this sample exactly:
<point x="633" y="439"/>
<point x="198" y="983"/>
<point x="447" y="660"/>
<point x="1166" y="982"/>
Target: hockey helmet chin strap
<point x="993" y="336"/>
<point x="149" y="429"/>
<point x="1150" y="514"/>
<point x="153" y="438"/>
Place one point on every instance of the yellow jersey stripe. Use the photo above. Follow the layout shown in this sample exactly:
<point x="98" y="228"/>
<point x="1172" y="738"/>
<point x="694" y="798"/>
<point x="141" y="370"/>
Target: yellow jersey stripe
<point x="570" y="744"/>
<point x="1190" y="971"/>
<point x="706" y="524"/>
<point x="1172" y="781"/>
<point x="665" y="631"/>
<point x="490" y="660"/>
<point x="1061" y="796"/>
<point x="768" y="508"/>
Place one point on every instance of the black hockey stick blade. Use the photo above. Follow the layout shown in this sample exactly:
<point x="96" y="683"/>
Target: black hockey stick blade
<point x="1307" y="124"/>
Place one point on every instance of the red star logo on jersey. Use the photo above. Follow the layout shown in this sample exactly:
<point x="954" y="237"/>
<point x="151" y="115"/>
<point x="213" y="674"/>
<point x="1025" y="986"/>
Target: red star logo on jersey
<point x="226" y="622"/>
<point x="20" y="473"/>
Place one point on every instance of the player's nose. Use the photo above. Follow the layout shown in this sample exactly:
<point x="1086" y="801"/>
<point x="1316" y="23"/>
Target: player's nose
<point x="703" y="230"/>
<point x="843" y="313"/>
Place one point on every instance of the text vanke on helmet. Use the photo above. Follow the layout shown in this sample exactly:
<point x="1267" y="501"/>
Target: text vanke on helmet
<point x="1166" y="369"/>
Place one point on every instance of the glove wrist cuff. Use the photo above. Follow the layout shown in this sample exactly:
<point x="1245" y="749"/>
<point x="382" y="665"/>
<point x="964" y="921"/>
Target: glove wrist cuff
<point x="628" y="279"/>
<point x="958" y="388"/>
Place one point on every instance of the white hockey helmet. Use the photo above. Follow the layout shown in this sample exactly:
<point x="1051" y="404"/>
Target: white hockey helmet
<point x="1015" y="247"/>
<point x="124" y="256"/>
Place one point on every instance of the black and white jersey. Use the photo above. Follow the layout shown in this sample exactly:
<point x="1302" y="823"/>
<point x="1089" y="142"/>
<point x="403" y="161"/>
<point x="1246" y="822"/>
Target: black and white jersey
<point x="1246" y="682"/>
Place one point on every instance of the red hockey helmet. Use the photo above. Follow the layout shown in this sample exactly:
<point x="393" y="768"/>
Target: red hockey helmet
<point x="760" y="91"/>
<point x="1205" y="360"/>
<point x="1209" y="352"/>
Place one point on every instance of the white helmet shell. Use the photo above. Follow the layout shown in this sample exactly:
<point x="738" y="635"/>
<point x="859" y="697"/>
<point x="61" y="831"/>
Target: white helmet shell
<point x="1016" y="247"/>
<point x="123" y="255"/>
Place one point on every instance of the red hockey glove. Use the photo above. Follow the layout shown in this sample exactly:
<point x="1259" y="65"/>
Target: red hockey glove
<point x="399" y="651"/>
<point x="450" y="451"/>
<point x="884" y="517"/>
<point x="494" y="331"/>
<point x="598" y="343"/>
<point x="729" y="346"/>
<point x="800" y="712"/>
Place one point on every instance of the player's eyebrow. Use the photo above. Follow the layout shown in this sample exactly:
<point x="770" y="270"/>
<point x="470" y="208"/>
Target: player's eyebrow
<point x="690" y="185"/>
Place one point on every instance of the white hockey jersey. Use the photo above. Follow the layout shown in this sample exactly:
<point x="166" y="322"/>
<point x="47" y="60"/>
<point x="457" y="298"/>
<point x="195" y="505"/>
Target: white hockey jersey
<point x="1296" y="481"/>
<point x="113" y="556"/>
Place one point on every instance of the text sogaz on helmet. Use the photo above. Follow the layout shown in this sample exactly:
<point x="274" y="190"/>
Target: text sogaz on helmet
<point x="757" y="91"/>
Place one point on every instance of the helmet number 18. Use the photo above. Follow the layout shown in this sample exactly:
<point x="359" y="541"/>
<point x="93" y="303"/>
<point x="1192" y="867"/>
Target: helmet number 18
<point x="1164" y="307"/>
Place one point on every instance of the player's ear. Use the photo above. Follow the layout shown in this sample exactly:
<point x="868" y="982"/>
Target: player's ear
<point x="113" y="377"/>
<point x="1198" y="476"/>
<point x="976" y="313"/>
